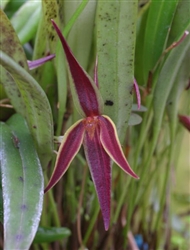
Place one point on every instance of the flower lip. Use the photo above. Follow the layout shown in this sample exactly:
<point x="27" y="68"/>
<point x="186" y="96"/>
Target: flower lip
<point x="90" y="124"/>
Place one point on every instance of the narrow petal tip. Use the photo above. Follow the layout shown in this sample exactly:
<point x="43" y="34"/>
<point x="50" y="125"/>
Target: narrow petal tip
<point x="86" y="95"/>
<point x="111" y="144"/>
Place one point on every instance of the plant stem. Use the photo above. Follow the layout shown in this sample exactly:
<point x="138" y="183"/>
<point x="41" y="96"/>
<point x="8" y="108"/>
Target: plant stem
<point x="53" y="205"/>
<point x="92" y="221"/>
<point x="80" y="205"/>
<point x="76" y="14"/>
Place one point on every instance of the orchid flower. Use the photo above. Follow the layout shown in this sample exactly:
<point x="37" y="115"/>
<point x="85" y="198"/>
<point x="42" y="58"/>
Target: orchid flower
<point x="95" y="131"/>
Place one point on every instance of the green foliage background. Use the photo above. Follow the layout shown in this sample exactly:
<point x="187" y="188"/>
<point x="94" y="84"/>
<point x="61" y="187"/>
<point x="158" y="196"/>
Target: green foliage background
<point x="129" y="39"/>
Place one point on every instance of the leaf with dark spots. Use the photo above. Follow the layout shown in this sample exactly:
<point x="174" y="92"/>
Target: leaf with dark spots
<point x="115" y="52"/>
<point x="9" y="37"/>
<point x="21" y="178"/>
<point x="11" y="90"/>
<point x="25" y="94"/>
<point x="24" y="207"/>
<point x="109" y="103"/>
<point x="19" y="237"/>
<point x="34" y="102"/>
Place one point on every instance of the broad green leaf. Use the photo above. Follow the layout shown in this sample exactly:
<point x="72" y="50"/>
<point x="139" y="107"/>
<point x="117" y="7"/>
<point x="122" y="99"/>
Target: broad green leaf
<point x="12" y="90"/>
<point x="26" y="19"/>
<point x="16" y="52"/>
<point x="38" y="112"/>
<point x="51" y="10"/>
<point x="51" y="234"/>
<point x="158" y="24"/>
<point x="24" y="92"/>
<point x="116" y="22"/>
<point x="22" y="182"/>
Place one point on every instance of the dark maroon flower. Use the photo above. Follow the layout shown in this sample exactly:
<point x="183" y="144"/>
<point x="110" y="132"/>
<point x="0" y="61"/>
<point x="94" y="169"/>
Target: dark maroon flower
<point x="95" y="131"/>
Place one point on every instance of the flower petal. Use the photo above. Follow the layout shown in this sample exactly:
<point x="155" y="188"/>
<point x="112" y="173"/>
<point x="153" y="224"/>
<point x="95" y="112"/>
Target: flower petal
<point x="39" y="62"/>
<point x="110" y="142"/>
<point x="70" y="146"/>
<point x="87" y="97"/>
<point x="100" y="168"/>
<point x="185" y="120"/>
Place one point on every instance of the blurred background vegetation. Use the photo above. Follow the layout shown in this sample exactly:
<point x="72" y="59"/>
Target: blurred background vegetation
<point x="149" y="39"/>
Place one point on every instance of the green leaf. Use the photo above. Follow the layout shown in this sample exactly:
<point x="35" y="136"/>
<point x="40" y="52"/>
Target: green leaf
<point x="51" y="234"/>
<point x="3" y="4"/>
<point x="1" y="205"/>
<point x="25" y="21"/>
<point x="134" y="119"/>
<point x="9" y="42"/>
<point x="116" y="22"/>
<point x="22" y="182"/>
<point x="51" y="10"/>
<point x="139" y="59"/>
<point x="165" y="83"/>
<point x="180" y="20"/>
<point x="12" y="90"/>
<point x="38" y="113"/>
<point x="81" y="35"/>
<point x="158" y="24"/>
<point x="173" y="101"/>
<point x="16" y="52"/>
